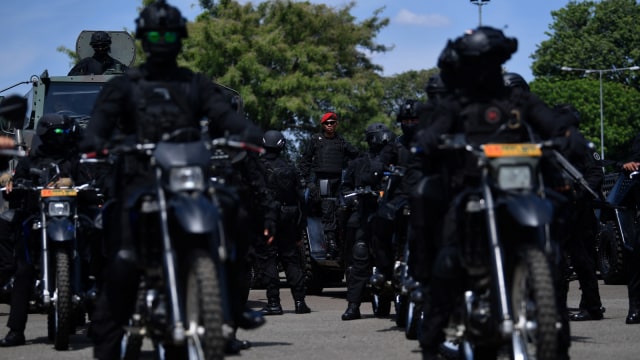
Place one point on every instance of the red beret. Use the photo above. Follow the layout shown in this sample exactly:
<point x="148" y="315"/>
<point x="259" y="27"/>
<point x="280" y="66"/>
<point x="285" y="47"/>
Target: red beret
<point x="327" y="116"/>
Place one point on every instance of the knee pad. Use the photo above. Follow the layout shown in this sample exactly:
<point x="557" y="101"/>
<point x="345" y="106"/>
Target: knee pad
<point x="360" y="251"/>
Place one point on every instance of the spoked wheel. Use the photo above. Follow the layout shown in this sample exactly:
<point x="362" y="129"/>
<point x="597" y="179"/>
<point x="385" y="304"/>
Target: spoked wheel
<point x="534" y="308"/>
<point x="203" y="309"/>
<point x="60" y="315"/>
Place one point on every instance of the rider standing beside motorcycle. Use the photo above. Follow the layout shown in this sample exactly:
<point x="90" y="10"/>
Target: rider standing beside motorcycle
<point x="386" y="219"/>
<point x="282" y="180"/>
<point x="57" y="147"/>
<point x="364" y="172"/>
<point x="321" y="168"/>
<point x="156" y="98"/>
<point x="471" y="67"/>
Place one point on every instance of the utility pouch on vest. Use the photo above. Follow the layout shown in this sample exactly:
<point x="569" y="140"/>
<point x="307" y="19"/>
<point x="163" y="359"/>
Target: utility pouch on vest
<point x="325" y="189"/>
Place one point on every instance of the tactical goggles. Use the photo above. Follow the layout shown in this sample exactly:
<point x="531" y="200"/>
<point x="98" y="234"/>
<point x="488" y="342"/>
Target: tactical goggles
<point x="60" y="131"/>
<point x="169" y="37"/>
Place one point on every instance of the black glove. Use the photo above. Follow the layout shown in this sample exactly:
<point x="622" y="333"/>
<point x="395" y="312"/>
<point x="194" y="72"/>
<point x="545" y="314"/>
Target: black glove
<point x="269" y="230"/>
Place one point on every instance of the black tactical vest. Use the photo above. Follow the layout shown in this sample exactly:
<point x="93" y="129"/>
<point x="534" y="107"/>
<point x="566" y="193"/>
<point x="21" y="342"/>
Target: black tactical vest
<point x="329" y="155"/>
<point x="493" y="121"/>
<point x="162" y="108"/>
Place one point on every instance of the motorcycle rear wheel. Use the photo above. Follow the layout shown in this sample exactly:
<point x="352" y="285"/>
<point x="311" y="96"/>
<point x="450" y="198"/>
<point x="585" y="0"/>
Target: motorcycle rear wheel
<point x="534" y="307"/>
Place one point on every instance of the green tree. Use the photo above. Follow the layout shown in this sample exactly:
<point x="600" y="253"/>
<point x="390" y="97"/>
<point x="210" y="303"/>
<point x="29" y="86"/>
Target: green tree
<point x="596" y="35"/>
<point x="407" y="85"/>
<point x="620" y="109"/>
<point x="292" y="61"/>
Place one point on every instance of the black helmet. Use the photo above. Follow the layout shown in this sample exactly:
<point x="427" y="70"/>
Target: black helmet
<point x="435" y="86"/>
<point x="100" y="39"/>
<point x="274" y="140"/>
<point x="57" y="132"/>
<point x="378" y="135"/>
<point x="407" y="110"/>
<point x="473" y="55"/>
<point x="161" y="28"/>
<point x="486" y="42"/>
<point x="514" y="80"/>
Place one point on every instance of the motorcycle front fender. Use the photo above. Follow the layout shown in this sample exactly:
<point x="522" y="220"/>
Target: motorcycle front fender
<point x="60" y="229"/>
<point x="528" y="209"/>
<point x="196" y="214"/>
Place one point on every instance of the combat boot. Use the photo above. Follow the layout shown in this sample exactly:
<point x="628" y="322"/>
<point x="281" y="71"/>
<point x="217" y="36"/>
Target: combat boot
<point x="301" y="307"/>
<point x="273" y="308"/>
<point x="352" y="312"/>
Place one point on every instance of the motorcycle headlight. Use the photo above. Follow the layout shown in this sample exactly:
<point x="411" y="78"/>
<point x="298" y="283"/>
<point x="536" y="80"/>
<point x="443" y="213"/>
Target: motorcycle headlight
<point x="186" y="178"/>
<point x="514" y="177"/>
<point x="59" y="208"/>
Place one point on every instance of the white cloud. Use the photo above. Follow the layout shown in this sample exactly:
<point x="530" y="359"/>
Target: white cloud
<point x="431" y="20"/>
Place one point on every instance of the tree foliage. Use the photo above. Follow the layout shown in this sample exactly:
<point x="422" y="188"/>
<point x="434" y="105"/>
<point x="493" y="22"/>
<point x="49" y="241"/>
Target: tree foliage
<point x="620" y="112"/>
<point x="292" y="61"/>
<point x="594" y="38"/>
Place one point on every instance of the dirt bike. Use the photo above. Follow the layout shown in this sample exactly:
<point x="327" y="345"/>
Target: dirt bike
<point x="55" y="244"/>
<point x="507" y="301"/>
<point x="182" y="248"/>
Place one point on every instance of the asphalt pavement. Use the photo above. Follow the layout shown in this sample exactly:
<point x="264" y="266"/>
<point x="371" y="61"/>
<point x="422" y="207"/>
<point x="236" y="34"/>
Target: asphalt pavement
<point x="322" y="335"/>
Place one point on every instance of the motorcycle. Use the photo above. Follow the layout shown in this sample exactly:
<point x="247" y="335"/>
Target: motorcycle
<point x="508" y="301"/>
<point x="182" y="248"/>
<point x="619" y="225"/>
<point x="394" y="290"/>
<point x="57" y="242"/>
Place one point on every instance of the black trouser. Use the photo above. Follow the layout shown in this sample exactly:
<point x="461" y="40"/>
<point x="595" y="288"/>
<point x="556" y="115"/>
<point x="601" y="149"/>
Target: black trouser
<point x="284" y="249"/>
<point x="633" y="285"/>
<point x="24" y="279"/>
<point x="358" y="260"/>
<point x="7" y="245"/>
<point x="445" y="282"/>
<point x="581" y="249"/>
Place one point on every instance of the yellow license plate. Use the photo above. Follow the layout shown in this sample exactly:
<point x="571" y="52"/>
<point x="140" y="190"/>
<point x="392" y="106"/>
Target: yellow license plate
<point x="506" y="150"/>
<point x="58" y="192"/>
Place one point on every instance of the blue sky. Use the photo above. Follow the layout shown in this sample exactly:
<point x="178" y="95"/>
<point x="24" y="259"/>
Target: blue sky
<point x="32" y="30"/>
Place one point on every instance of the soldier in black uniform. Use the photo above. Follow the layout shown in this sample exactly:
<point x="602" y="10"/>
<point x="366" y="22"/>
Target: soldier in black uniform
<point x="12" y="110"/>
<point x="154" y="99"/>
<point x="387" y="219"/>
<point x="282" y="180"/>
<point x="633" y="257"/>
<point x="582" y="223"/>
<point x="321" y="168"/>
<point x="58" y="146"/>
<point x="101" y="61"/>
<point x="364" y="173"/>
<point x="471" y="66"/>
